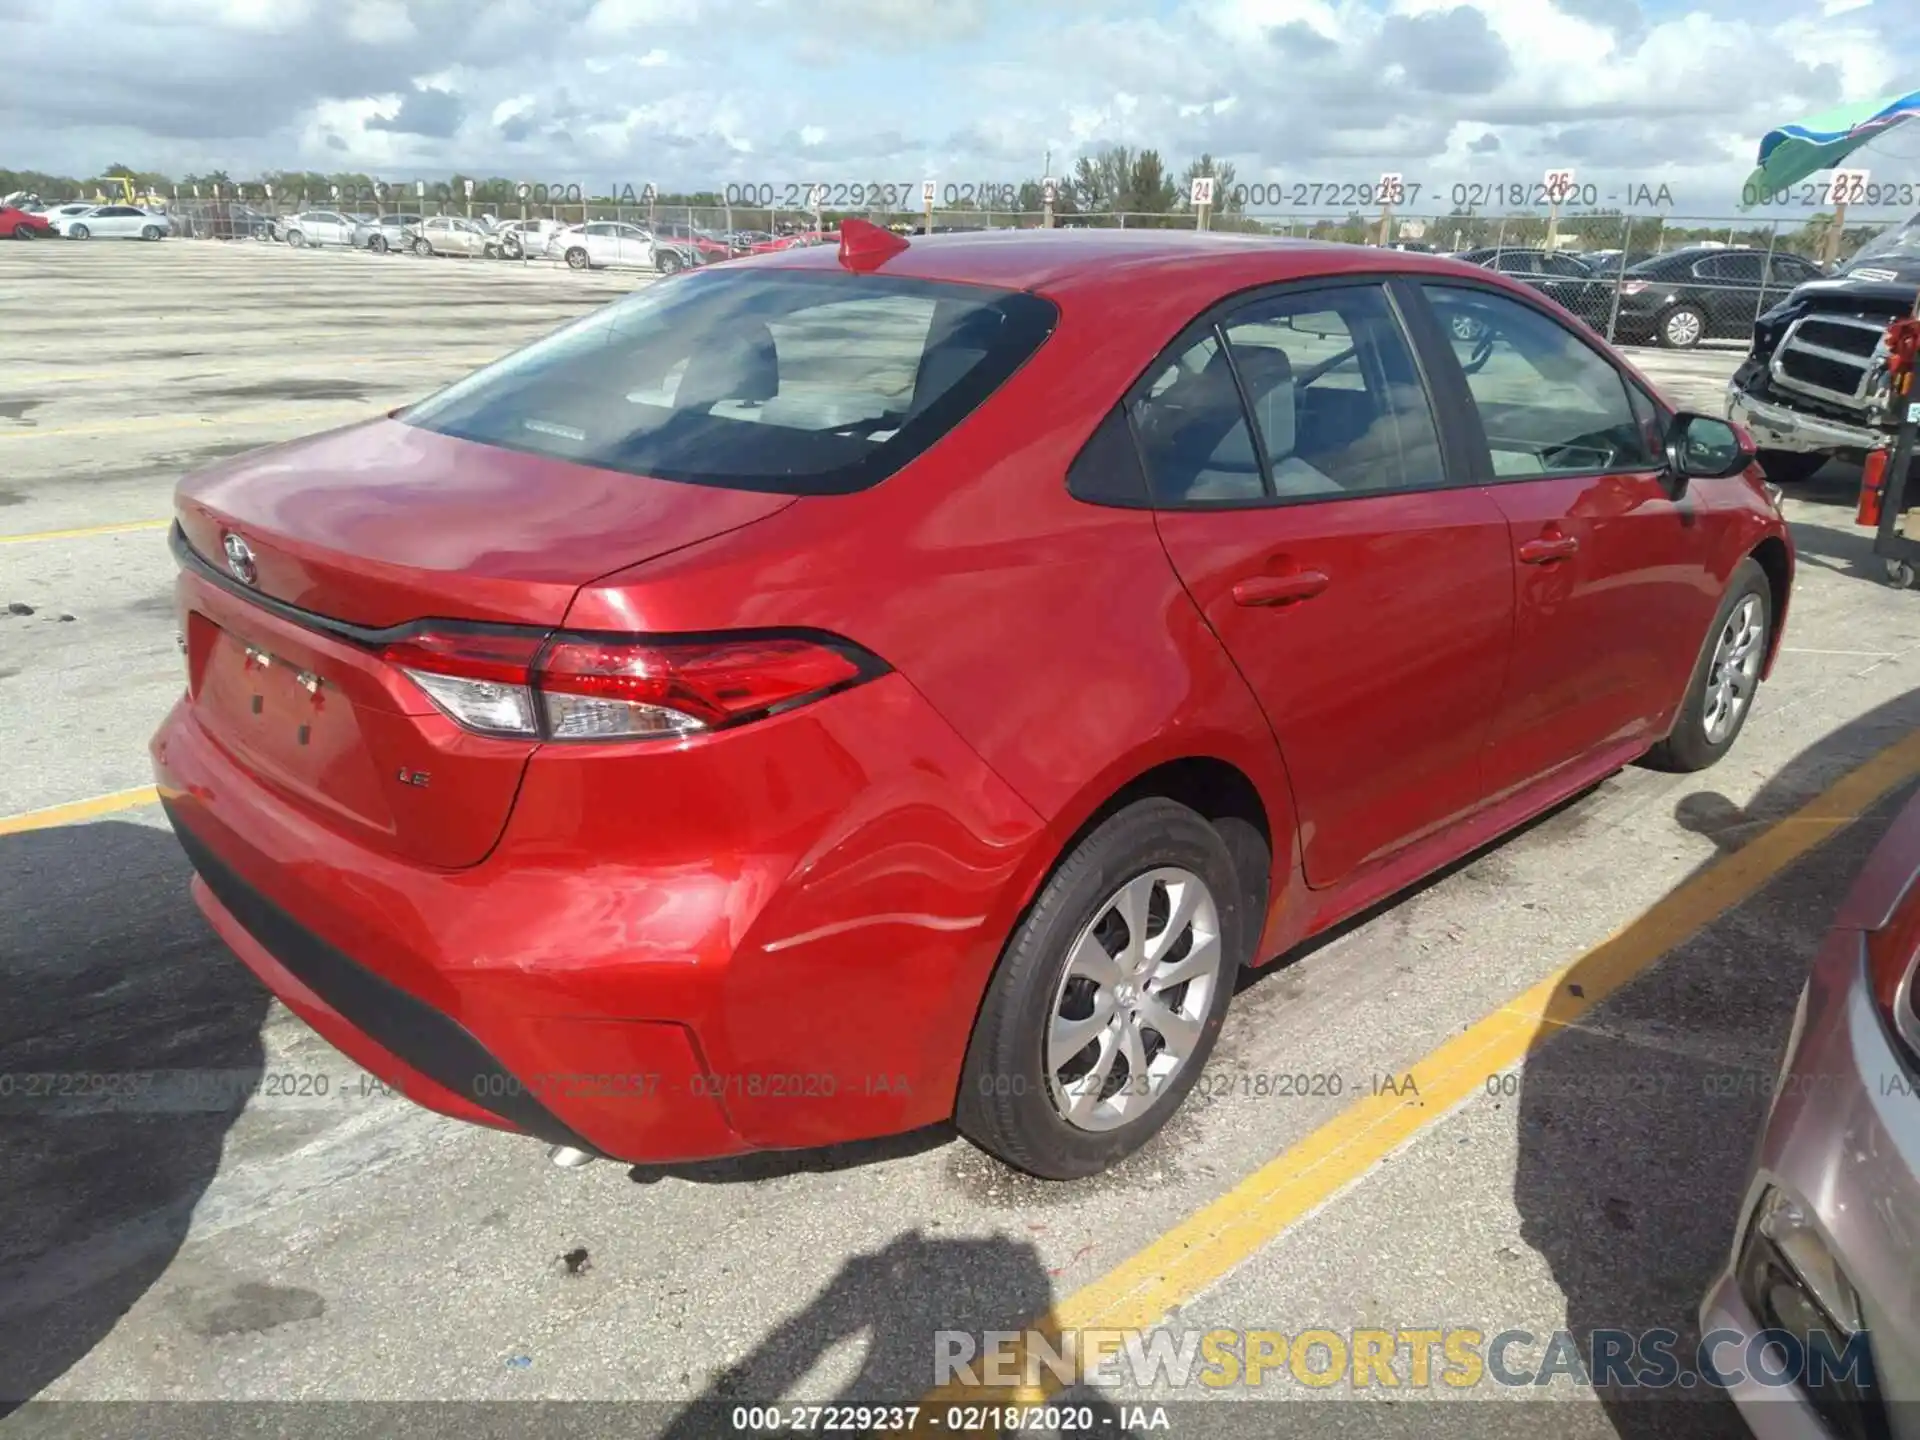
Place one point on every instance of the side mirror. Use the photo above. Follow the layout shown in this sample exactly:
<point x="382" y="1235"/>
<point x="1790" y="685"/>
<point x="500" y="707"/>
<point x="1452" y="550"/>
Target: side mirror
<point x="1700" y="447"/>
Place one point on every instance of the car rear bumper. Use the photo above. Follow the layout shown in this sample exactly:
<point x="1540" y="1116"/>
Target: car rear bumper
<point x="1842" y="1142"/>
<point x="794" y="958"/>
<point x="1776" y="427"/>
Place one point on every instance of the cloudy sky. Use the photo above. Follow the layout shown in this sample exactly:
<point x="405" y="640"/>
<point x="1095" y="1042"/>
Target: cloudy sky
<point x="688" y="93"/>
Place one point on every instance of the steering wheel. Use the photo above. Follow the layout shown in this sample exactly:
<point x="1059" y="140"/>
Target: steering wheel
<point x="1482" y="352"/>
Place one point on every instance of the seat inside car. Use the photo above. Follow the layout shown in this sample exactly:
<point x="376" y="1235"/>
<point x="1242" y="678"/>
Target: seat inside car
<point x="741" y="369"/>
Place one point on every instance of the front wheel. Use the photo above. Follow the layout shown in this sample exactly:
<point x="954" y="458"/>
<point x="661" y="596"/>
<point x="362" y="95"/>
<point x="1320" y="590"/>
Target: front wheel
<point x="150" y="232"/>
<point x="668" y="262"/>
<point x="422" y="247"/>
<point x="1682" y="328"/>
<point x="25" y="232"/>
<point x="1109" y="996"/>
<point x="296" y="239"/>
<point x="79" y="232"/>
<point x="1725" y="678"/>
<point x="1790" y="467"/>
<point x="577" y="258"/>
<point x="378" y="244"/>
<point x="1901" y="574"/>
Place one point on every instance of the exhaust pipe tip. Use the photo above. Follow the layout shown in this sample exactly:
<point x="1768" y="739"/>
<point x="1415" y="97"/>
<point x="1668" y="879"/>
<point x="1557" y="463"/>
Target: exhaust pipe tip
<point x="568" y="1157"/>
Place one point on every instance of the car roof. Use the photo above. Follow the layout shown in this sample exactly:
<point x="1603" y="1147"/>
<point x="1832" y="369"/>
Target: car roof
<point x="1058" y="261"/>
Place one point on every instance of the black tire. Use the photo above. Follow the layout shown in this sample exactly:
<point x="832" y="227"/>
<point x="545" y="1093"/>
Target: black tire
<point x="296" y="239"/>
<point x="1790" y="467"/>
<point x="25" y="232"/>
<point x="422" y="247"/>
<point x="577" y="258"/>
<point x="150" y="232"/>
<point x="1006" y="1105"/>
<point x="79" y="232"/>
<point x="1681" y="328"/>
<point x="1687" y="747"/>
<point x="668" y="262"/>
<point x="378" y="245"/>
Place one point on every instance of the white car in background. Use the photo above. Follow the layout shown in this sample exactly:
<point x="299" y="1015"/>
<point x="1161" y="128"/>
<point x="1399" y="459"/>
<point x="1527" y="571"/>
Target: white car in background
<point x="113" y="222"/>
<point x="323" y="227"/>
<point x="56" y="213"/>
<point x="604" y="243"/>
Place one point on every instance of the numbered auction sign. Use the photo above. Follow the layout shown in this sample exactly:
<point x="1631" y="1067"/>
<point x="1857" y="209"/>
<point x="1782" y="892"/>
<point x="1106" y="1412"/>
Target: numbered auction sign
<point x="1392" y="188"/>
<point x="1850" y="187"/>
<point x="1558" y="185"/>
<point x="926" y="194"/>
<point x="1201" y="192"/>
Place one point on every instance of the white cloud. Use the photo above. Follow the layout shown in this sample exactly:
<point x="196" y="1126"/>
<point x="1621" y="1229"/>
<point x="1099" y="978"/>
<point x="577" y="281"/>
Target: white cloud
<point x="379" y="22"/>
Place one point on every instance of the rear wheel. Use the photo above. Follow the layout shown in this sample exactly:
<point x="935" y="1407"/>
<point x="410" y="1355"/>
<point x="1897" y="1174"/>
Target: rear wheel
<point x="1790" y="467"/>
<point x="1682" y="328"/>
<point x="1109" y="996"/>
<point x="1725" y="677"/>
<point x="576" y="258"/>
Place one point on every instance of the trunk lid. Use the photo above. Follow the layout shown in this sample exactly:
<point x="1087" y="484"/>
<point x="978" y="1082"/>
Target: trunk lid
<point x="384" y="522"/>
<point x="375" y="527"/>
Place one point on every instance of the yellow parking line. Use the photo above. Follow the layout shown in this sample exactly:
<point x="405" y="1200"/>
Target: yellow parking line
<point x="1144" y="1289"/>
<point x="83" y="531"/>
<point x="77" y="810"/>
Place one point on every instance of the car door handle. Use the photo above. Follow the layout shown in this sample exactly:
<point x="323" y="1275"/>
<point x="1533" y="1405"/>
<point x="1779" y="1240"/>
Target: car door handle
<point x="1279" y="589"/>
<point x="1548" y="547"/>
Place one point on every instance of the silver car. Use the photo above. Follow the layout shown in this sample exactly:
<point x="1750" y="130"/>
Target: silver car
<point x="114" y="222"/>
<point x="323" y="227"/>
<point x="1825" y="1250"/>
<point x="452" y="235"/>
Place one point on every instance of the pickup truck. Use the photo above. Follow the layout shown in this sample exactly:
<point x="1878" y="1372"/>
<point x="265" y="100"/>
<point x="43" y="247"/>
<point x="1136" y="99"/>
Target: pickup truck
<point x="1814" y="385"/>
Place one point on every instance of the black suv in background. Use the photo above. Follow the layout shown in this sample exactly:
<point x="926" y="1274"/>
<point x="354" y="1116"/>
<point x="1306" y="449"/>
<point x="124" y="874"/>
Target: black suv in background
<point x="1704" y="293"/>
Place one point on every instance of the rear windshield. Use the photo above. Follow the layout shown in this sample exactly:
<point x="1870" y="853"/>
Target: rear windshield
<point x="797" y="382"/>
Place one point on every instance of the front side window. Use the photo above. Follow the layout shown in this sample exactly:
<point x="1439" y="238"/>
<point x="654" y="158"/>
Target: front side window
<point x="796" y="382"/>
<point x="1549" y="404"/>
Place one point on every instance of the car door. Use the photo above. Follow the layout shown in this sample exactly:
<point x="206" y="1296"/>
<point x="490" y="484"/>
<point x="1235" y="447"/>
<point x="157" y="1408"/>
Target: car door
<point x="1612" y="587"/>
<point x="634" y="246"/>
<point x="1305" y="496"/>
<point x="603" y="243"/>
<point x="1730" y="285"/>
<point x="114" y="222"/>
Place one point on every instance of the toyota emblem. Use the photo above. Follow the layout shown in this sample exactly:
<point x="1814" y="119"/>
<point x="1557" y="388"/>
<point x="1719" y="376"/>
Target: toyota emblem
<point x="240" y="560"/>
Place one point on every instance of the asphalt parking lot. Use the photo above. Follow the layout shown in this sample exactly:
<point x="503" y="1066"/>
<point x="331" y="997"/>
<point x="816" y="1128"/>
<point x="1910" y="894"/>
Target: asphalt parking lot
<point x="1630" y="963"/>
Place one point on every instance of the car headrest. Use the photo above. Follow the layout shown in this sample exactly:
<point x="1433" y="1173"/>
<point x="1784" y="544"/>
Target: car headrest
<point x="1267" y="372"/>
<point x="743" y="366"/>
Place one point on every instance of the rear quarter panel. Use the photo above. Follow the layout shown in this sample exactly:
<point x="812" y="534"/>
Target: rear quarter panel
<point x="1053" y="635"/>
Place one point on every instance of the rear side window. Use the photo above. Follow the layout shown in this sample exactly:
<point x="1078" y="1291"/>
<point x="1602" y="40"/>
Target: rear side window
<point x="799" y="383"/>
<point x="1337" y="399"/>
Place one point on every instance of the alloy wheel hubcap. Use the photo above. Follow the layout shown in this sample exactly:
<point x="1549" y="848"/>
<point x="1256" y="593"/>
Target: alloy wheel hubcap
<point x="1128" y="1013"/>
<point x="1735" y="670"/>
<point x="1684" y="328"/>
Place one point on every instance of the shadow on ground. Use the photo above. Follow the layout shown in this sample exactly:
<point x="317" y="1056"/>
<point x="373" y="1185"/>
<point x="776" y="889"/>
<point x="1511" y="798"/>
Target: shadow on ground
<point x="1638" y="1122"/>
<point x="108" y="974"/>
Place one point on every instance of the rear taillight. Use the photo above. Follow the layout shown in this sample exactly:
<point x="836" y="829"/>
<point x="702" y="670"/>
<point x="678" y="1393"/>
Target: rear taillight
<point x="1632" y="287"/>
<point x="1892" y="952"/>
<point x="616" y="687"/>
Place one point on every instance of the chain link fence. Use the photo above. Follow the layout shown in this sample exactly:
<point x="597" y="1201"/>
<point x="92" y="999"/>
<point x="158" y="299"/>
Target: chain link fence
<point x="1609" y="269"/>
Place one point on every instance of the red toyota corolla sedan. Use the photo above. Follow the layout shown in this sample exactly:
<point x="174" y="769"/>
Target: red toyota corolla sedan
<point x="852" y="689"/>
